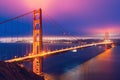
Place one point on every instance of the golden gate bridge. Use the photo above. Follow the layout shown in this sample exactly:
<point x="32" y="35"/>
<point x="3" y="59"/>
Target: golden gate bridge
<point x="37" y="53"/>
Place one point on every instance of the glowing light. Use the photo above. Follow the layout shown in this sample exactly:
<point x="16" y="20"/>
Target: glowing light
<point x="35" y="4"/>
<point x="112" y="29"/>
<point x="74" y="50"/>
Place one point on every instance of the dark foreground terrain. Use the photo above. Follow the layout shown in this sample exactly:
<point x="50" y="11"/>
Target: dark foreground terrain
<point x="11" y="71"/>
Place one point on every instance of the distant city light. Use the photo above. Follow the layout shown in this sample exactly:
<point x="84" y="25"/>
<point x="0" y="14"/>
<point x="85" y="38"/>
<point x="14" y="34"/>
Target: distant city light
<point x="48" y="38"/>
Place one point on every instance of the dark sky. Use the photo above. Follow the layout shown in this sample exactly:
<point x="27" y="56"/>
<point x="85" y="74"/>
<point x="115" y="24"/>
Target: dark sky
<point x="75" y="16"/>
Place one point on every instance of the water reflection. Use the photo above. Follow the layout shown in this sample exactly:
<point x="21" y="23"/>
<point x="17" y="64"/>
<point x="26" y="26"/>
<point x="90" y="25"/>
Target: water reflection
<point x="94" y="69"/>
<point x="105" y="66"/>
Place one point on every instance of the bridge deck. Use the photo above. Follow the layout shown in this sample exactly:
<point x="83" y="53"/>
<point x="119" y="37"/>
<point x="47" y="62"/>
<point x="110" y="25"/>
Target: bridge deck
<point x="55" y="52"/>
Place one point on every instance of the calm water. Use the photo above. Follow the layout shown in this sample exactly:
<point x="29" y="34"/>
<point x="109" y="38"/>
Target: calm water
<point x="85" y="64"/>
<point x="103" y="66"/>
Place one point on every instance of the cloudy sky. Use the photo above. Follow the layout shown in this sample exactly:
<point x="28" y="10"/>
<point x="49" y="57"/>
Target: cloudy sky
<point x="77" y="16"/>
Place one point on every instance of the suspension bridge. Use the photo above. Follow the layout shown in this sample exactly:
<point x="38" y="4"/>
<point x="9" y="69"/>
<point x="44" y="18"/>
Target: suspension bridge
<point x="37" y="53"/>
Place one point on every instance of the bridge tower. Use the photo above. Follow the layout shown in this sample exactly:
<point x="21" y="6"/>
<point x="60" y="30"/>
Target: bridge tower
<point x="37" y="42"/>
<point x="106" y="40"/>
<point x="106" y="36"/>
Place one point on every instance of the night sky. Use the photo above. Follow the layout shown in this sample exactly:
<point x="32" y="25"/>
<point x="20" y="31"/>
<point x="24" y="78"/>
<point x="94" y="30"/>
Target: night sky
<point x="75" y="16"/>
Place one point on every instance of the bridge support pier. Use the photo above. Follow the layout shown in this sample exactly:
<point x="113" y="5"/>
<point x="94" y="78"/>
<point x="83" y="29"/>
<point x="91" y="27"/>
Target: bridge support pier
<point x="106" y="46"/>
<point x="37" y="42"/>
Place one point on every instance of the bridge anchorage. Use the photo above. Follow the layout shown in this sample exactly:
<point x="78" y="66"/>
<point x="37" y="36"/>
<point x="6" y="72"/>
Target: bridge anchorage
<point x="37" y="53"/>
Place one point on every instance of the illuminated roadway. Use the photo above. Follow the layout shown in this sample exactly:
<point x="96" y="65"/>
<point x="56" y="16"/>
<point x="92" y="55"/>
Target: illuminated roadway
<point x="20" y="59"/>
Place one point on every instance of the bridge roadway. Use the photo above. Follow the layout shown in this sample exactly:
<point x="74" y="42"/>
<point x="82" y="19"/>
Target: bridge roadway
<point x="20" y="59"/>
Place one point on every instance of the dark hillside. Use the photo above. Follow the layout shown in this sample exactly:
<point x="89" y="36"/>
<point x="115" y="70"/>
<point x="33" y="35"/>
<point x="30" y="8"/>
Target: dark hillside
<point x="11" y="71"/>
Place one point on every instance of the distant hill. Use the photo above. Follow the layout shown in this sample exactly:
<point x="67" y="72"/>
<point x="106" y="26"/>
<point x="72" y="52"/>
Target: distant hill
<point x="12" y="71"/>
